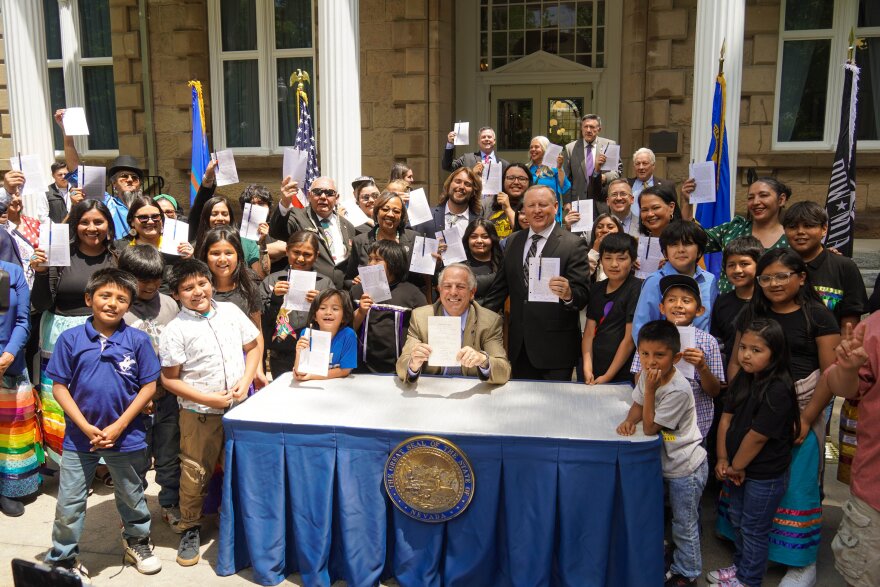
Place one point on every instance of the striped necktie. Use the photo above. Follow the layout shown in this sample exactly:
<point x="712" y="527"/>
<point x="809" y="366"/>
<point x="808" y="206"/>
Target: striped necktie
<point x="533" y="250"/>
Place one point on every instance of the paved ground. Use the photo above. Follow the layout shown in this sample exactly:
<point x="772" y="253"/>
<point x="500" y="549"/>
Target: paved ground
<point x="28" y="537"/>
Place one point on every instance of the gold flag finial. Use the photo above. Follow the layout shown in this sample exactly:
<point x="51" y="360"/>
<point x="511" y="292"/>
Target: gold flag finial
<point x="299" y="78"/>
<point x="721" y="57"/>
<point x="854" y="43"/>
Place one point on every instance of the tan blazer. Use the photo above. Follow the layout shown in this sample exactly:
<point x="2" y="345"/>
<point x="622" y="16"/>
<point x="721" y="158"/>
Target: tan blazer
<point x="482" y="332"/>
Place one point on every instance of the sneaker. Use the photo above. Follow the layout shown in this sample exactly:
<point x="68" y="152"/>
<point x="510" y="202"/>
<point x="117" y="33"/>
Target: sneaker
<point x="188" y="551"/>
<point x="799" y="577"/>
<point x="676" y="580"/>
<point x="11" y="507"/>
<point x="73" y="567"/>
<point x="732" y="582"/>
<point x="171" y="515"/>
<point x="717" y="576"/>
<point x="140" y="554"/>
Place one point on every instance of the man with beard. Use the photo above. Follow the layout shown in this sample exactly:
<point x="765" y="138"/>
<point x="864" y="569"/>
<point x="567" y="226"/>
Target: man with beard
<point x="126" y="180"/>
<point x="461" y="203"/>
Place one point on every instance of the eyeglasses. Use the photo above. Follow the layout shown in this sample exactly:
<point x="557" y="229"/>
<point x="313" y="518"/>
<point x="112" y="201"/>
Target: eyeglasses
<point x="516" y="179"/>
<point x="129" y="176"/>
<point x="778" y="278"/>
<point x="615" y="195"/>
<point x="368" y="197"/>
<point x="326" y="192"/>
<point x="144" y="218"/>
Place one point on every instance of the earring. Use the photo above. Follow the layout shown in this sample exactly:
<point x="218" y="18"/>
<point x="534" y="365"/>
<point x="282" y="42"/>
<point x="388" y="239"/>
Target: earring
<point x="132" y="232"/>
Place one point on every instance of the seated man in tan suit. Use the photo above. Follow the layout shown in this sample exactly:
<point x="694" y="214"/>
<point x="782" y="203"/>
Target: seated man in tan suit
<point x="482" y="349"/>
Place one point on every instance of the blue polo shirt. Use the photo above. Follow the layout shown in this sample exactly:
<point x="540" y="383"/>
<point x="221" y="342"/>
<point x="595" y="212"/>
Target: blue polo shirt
<point x="103" y="378"/>
<point x="648" y="307"/>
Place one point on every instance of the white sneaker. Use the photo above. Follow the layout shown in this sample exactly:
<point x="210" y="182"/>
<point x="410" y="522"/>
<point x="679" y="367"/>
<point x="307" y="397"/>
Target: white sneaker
<point x="140" y="554"/>
<point x="77" y="569"/>
<point x="719" y="575"/>
<point x="800" y="577"/>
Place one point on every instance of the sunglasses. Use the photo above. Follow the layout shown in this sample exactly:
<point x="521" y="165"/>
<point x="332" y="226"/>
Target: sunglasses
<point x="129" y="176"/>
<point x="144" y="218"/>
<point x="326" y="192"/>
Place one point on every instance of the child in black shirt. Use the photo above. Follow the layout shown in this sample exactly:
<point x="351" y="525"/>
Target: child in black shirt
<point x="740" y="258"/>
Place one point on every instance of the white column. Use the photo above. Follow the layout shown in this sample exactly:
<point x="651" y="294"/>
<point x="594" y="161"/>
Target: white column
<point x="339" y="102"/>
<point x="28" y="87"/>
<point x="717" y="21"/>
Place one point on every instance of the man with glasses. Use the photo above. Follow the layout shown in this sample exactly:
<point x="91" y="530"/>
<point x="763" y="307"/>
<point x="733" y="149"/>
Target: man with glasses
<point x="619" y="199"/>
<point x="484" y="156"/>
<point x="365" y="195"/>
<point x="583" y="160"/>
<point x="334" y="232"/>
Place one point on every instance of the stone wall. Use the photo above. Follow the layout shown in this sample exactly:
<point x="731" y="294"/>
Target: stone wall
<point x="5" y="121"/>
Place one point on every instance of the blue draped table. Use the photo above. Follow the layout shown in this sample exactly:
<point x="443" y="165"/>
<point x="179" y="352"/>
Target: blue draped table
<point x="559" y="498"/>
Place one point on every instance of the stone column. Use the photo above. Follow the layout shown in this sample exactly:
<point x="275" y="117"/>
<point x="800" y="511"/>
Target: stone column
<point x="717" y="21"/>
<point x="339" y="106"/>
<point x="28" y="85"/>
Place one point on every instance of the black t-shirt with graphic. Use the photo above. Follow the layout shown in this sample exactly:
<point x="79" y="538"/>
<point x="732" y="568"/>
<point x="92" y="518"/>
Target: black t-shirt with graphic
<point x="612" y="311"/>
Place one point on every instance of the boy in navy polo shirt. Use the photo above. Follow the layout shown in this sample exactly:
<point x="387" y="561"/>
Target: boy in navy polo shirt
<point x="105" y="374"/>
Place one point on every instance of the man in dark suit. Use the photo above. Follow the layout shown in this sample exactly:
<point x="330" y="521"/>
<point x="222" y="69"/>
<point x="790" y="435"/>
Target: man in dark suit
<point x="583" y="160"/>
<point x="544" y="340"/>
<point x="57" y="195"/>
<point x="485" y="155"/>
<point x="643" y="163"/>
<point x="461" y="203"/>
<point x="335" y="233"/>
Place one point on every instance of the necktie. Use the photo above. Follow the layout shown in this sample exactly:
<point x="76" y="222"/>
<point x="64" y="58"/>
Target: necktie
<point x="328" y="235"/>
<point x="454" y="219"/>
<point x="533" y="250"/>
<point x="485" y="158"/>
<point x="589" y="163"/>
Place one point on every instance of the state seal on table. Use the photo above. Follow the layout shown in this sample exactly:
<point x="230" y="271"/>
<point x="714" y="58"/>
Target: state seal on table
<point x="429" y="478"/>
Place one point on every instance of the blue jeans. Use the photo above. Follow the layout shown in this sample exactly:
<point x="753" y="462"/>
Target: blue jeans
<point x="77" y="474"/>
<point x="163" y="438"/>
<point x="752" y="507"/>
<point x="684" y="499"/>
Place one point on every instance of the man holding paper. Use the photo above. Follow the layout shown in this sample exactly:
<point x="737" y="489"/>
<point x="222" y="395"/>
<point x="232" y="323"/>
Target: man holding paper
<point x="478" y="351"/>
<point x="644" y="162"/>
<point x="461" y="203"/>
<point x="544" y="337"/>
<point x="583" y="162"/>
<point x="485" y="155"/>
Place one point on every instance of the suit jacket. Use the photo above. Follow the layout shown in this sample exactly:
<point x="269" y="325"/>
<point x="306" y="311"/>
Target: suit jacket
<point x="466" y="160"/>
<point x="548" y="332"/>
<point x="482" y="332"/>
<point x="438" y="222"/>
<point x="358" y="256"/>
<point x="57" y="207"/>
<point x="657" y="181"/>
<point x="573" y="164"/>
<point x="281" y="226"/>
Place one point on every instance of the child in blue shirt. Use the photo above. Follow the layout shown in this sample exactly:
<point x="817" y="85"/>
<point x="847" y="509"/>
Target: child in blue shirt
<point x="104" y="374"/>
<point x="331" y="312"/>
<point x="683" y="244"/>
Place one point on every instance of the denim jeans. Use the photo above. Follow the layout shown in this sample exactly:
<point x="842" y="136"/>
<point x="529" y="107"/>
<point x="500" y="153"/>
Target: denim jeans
<point x="77" y="473"/>
<point x="752" y="507"/>
<point x="163" y="438"/>
<point x="684" y="499"/>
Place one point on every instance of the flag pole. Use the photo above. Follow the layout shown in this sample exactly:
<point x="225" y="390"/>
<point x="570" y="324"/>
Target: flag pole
<point x="854" y="43"/>
<point x="299" y="78"/>
<point x="721" y="57"/>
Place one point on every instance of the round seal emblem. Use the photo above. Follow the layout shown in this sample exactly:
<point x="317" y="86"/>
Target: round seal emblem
<point x="429" y="478"/>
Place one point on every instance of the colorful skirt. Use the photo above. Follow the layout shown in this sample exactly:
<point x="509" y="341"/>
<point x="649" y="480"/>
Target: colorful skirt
<point x="51" y="328"/>
<point x="20" y="454"/>
<point x="797" y="525"/>
<point x="849" y="419"/>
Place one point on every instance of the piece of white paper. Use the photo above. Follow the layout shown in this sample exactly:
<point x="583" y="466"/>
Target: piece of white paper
<point x="704" y="174"/>
<point x="551" y="154"/>
<point x="174" y="232"/>
<point x="227" y="173"/>
<point x="444" y="338"/>
<point x="34" y="177"/>
<point x="688" y="341"/>
<point x="492" y="178"/>
<point x="612" y="158"/>
<point x="418" y="210"/>
<point x="315" y="360"/>
<point x="301" y="283"/>
<point x="422" y="261"/>
<point x="462" y="133"/>
<point x="55" y="241"/>
<point x="585" y="209"/>
<point x="455" y="252"/>
<point x="541" y="271"/>
<point x="295" y="164"/>
<point x="74" y="121"/>
<point x="353" y="212"/>
<point x="93" y="181"/>
<point x="375" y="282"/>
<point x="251" y="218"/>
<point x="649" y="256"/>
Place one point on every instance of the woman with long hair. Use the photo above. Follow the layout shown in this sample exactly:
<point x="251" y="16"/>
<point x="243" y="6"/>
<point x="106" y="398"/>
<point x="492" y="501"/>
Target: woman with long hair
<point x="515" y="180"/>
<point x="147" y="220"/>
<point x="402" y="171"/>
<point x="484" y="255"/>
<point x="658" y="207"/>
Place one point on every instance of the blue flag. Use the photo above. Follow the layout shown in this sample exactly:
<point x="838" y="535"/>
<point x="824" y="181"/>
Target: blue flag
<point x="718" y="212"/>
<point x="200" y="154"/>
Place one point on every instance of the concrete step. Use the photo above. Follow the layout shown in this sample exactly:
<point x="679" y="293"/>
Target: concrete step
<point x="866" y="254"/>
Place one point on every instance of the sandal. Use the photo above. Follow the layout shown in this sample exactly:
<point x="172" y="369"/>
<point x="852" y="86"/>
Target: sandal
<point x="106" y="479"/>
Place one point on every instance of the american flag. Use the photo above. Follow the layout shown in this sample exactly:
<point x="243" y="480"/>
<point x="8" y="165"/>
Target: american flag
<point x="305" y="141"/>
<point x="841" y="200"/>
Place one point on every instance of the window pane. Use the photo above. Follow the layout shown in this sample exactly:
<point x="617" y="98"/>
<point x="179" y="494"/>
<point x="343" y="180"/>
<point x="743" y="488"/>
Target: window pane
<point x="287" y="97"/>
<point x="585" y="14"/>
<point x="238" y="25"/>
<point x="869" y="13"/>
<point x="514" y="124"/>
<point x="566" y="15"/>
<point x="868" y="120"/>
<point x="563" y="119"/>
<point x="809" y="14"/>
<point x="94" y="28"/>
<point x="803" y="89"/>
<point x="100" y="106"/>
<point x="242" y="103"/>
<point x="293" y="24"/>
<point x="57" y="100"/>
<point x="53" y="29"/>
